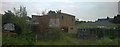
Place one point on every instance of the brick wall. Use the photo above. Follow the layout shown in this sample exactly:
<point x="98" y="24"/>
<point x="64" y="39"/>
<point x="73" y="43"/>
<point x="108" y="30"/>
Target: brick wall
<point x="65" y="20"/>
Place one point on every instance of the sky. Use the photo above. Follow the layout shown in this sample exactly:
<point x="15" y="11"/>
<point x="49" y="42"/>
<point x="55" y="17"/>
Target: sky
<point x="88" y="10"/>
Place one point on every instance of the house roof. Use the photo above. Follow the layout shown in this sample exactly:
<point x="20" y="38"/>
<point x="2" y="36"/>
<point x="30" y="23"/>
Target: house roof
<point x="67" y="14"/>
<point x="103" y="22"/>
<point x="37" y="16"/>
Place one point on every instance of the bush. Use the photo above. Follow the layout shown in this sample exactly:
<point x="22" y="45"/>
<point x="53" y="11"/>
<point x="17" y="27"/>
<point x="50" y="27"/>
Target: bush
<point x="26" y="39"/>
<point x="53" y="33"/>
<point x="112" y="35"/>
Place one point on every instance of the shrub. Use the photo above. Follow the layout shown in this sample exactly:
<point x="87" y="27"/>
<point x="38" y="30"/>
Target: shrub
<point x="112" y="35"/>
<point x="26" y="39"/>
<point x="53" y="33"/>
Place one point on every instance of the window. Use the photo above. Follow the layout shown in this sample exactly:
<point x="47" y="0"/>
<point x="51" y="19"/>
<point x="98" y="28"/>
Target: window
<point x="62" y="17"/>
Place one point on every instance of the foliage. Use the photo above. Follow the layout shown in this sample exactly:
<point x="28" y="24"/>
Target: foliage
<point x="116" y="19"/>
<point x="77" y="22"/>
<point x="107" y="41"/>
<point x="7" y="17"/>
<point x="112" y="35"/>
<point x="19" y="21"/>
<point x="22" y="28"/>
<point x="52" y="33"/>
<point x="67" y="40"/>
<point x="21" y="12"/>
<point x="51" y="12"/>
<point x="27" y="39"/>
<point x="54" y="12"/>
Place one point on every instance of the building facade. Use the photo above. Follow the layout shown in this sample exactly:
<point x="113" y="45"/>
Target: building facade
<point x="101" y="26"/>
<point x="61" y="20"/>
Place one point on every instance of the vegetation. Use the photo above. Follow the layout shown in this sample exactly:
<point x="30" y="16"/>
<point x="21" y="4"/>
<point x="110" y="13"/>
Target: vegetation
<point x="27" y="39"/>
<point x="75" y="41"/>
<point x="107" y="41"/>
<point x="24" y="34"/>
<point x="67" y="40"/>
<point x="51" y="34"/>
<point x="19" y="21"/>
<point x="112" y="35"/>
<point x="77" y="21"/>
<point x="116" y="19"/>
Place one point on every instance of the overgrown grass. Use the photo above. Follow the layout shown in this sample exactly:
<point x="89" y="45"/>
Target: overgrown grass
<point x="17" y="40"/>
<point x="68" y="40"/>
<point x="107" y="41"/>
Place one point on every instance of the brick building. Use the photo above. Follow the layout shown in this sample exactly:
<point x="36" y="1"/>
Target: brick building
<point x="61" y="20"/>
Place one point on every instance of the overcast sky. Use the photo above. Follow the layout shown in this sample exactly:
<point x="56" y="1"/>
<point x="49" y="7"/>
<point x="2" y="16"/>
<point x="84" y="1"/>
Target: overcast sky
<point x="85" y="10"/>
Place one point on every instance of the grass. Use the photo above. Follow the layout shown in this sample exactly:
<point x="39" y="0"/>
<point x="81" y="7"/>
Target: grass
<point x="67" y="40"/>
<point x="107" y="41"/>
<point x="18" y="40"/>
<point x="83" y="26"/>
<point x="74" y="41"/>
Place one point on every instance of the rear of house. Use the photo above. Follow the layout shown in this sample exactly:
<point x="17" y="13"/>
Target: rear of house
<point x="61" y="20"/>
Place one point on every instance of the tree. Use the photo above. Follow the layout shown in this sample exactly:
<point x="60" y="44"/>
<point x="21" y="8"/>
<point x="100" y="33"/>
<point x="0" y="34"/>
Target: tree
<point x="22" y="28"/>
<point x="77" y="21"/>
<point x="7" y="17"/>
<point x="51" y="12"/>
<point x="19" y="18"/>
<point x="21" y="12"/>
<point x="58" y="11"/>
<point x="116" y="19"/>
